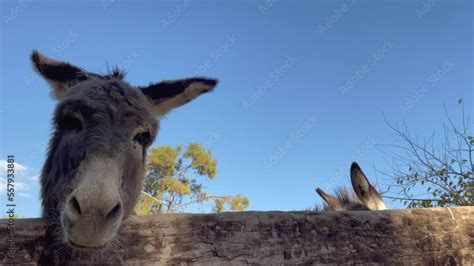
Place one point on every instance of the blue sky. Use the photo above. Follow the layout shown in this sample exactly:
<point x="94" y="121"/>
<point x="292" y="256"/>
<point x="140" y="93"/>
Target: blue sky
<point x="305" y="85"/>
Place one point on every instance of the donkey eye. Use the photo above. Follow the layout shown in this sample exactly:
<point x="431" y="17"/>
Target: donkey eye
<point x="70" y="123"/>
<point x="143" y="138"/>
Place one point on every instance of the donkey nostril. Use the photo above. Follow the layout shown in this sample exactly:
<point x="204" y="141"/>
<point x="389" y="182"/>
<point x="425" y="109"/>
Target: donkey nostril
<point x="76" y="205"/>
<point x="114" y="212"/>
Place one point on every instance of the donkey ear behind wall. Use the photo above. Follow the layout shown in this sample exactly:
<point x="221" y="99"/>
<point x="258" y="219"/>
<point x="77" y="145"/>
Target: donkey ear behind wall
<point x="168" y="95"/>
<point x="367" y="194"/>
<point x="328" y="199"/>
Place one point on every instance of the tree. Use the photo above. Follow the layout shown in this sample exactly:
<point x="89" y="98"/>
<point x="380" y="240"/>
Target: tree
<point x="172" y="183"/>
<point x="427" y="174"/>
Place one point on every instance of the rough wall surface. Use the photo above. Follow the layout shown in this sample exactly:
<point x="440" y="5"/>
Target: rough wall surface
<point x="437" y="236"/>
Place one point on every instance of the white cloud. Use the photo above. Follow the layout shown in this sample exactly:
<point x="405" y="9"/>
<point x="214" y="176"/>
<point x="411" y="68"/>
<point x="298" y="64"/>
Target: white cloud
<point x="34" y="177"/>
<point x="19" y="186"/>
<point x="23" y="180"/>
<point x="19" y="168"/>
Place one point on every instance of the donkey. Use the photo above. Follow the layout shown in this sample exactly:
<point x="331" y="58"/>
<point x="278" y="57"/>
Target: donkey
<point x="366" y="196"/>
<point x="95" y="164"/>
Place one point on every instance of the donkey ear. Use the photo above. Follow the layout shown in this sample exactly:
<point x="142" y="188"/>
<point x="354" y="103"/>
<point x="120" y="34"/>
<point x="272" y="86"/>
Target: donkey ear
<point x="167" y="95"/>
<point x="61" y="76"/>
<point x="367" y="194"/>
<point x="330" y="200"/>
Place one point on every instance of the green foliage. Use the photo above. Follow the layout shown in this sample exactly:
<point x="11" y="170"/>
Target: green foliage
<point x="235" y="203"/>
<point x="172" y="182"/>
<point x="146" y="206"/>
<point x="444" y="171"/>
<point x="202" y="160"/>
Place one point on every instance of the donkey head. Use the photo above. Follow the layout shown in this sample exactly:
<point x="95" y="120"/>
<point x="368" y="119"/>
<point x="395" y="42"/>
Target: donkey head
<point x="366" y="196"/>
<point x="95" y="165"/>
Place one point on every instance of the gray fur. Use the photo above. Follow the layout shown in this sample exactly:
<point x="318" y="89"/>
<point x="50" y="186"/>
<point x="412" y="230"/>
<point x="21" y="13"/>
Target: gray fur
<point x="96" y="159"/>
<point x="365" y="196"/>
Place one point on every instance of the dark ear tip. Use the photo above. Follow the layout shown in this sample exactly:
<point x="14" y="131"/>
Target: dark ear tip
<point x="209" y="81"/>
<point x="35" y="56"/>
<point x="320" y="192"/>
<point x="355" y="167"/>
<point x="36" y="61"/>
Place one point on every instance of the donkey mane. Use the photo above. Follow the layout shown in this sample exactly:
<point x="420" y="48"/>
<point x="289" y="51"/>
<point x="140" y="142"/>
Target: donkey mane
<point x="345" y="200"/>
<point x="344" y="195"/>
<point x="116" y="72"/>
<point x="363" y="197"/>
